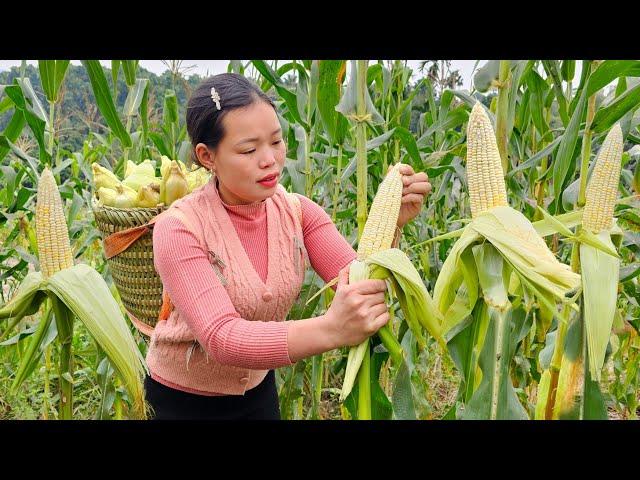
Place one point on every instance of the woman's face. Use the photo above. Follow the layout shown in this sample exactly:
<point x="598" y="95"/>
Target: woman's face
<point x="249" y="159"/>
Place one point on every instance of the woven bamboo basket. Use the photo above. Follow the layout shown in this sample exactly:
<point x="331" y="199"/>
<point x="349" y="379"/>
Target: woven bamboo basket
<point x="133" y="272"/>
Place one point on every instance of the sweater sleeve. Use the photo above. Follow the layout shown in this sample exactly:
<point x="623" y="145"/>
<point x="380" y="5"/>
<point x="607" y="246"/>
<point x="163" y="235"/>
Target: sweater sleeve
<point x="329" y="252"/>
<point x="204" y="303"/>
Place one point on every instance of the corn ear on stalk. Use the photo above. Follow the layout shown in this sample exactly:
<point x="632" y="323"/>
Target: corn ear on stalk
<point x="484" y="168"/>
<point x="505" y="228"/>
<point x="54" y="248"/>
<point x="600" y="270"/>
<point x="75" y="291"/>
<point x="602" y="190"/>
<point x="376" y="259"/>
<point x="380" y="228"/>
<point x="499" y="254"/>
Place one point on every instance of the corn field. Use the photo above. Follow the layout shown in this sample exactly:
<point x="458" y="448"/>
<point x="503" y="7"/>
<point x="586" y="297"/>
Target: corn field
<point x="527" y="250"/>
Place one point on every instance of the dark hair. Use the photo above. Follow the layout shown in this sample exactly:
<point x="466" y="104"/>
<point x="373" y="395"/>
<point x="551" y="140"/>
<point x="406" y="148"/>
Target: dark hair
<point x="204" y="120"/>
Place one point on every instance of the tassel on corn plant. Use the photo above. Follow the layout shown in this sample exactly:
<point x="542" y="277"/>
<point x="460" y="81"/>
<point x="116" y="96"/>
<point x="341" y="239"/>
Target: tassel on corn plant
<point x="72" y="291"/>
<point x="498" y="255"/>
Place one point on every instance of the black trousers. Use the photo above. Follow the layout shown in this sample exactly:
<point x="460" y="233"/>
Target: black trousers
<point x="259" y="403"/>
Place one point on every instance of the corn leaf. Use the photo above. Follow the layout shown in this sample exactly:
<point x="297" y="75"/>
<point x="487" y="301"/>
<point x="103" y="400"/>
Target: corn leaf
<point x="104" y="100"/>
<point x="329" y="88"/>
<point x="562" y="161"/>
<point x="570" y="388"/>
<point x="543" y="395"/>
<point x="135" y="96"/>
<point x="354" y="361"/>
<point x="129" y="68"/>
<point x="610" y="114"/>
<point x="52" y="74"/>
<point x="32" y="355"/>
<point x="289" y="97"/>
<point x="495" y="397"/>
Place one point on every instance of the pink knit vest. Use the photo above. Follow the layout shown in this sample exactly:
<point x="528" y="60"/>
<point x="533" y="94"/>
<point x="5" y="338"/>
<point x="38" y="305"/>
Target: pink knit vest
<point x="174" y="355"/>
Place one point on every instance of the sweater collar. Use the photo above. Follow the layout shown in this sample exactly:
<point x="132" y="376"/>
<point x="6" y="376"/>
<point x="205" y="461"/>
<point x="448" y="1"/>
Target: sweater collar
<point x="249" y="212"/>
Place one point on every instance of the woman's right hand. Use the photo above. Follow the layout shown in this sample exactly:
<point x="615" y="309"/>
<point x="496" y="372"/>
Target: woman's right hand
<point x="357" y="310"/>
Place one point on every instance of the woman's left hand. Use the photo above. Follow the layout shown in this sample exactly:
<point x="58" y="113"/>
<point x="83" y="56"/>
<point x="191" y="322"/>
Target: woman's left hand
<point x="416" y="188"/>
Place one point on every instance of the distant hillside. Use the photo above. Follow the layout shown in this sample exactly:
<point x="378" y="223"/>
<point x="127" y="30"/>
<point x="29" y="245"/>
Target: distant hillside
<point x="78" y="112"/>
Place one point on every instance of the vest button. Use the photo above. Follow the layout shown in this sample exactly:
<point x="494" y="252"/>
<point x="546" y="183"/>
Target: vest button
<point x="267" y="296"/>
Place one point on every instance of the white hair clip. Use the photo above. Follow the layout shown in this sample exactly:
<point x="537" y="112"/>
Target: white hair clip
<point x="215" y="97"/>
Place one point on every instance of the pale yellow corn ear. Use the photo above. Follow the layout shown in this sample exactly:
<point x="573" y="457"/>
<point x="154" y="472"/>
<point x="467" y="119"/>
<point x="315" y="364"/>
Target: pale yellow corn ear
<point x="484" y="168"/>
<point x="54" y="248"/>
<point x="380" y="228"/>
<point x="106" y="196"/>
<point x="147" y="197"/>
<point x="175" y="185"/>
<point x="603" y="186"/>
<point x="124" y="198"/>
<point x="103" y="177"/>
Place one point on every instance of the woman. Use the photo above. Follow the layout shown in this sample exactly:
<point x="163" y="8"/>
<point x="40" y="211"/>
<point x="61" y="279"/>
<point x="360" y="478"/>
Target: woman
<point x="231" y="256"/>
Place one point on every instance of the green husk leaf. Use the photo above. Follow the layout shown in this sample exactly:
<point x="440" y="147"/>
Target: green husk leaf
<point x="420" y="303"/>
<point x="26" y="301"/>
<point x="600" y="286"/>
<point x="33" y="353"/>
<point x="85" y="293"/>
<point x="518" y="242"/>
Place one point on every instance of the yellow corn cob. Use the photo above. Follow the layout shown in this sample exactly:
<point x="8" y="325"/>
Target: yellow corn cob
<point x="484" y="168"/>
<point x="54" y="248"/>
<point x="603" y="186"/>
<point x="103" y="177"/>
<point x="380" y="228"/>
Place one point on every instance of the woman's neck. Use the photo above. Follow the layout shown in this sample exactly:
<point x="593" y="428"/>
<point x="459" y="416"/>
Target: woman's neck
<point x="229" y="198"/>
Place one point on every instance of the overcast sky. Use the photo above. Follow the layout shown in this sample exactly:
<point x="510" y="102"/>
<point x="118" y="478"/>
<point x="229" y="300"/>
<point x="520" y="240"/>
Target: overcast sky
<point x="212" y="67"/>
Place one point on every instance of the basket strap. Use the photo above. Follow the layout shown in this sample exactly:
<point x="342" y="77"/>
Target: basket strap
<point x="118" y="242"/>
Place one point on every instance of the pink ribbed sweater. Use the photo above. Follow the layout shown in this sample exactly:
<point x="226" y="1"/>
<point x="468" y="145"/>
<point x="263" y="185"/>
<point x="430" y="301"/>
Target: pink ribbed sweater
<point x="204" y="304"/>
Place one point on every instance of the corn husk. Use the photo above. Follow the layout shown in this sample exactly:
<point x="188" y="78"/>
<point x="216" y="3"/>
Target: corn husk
<point x="125" y="197"/>
<point x="85" y="293"/>
<point x="138" y="179"/>
<point x="417" y="305"/>
<point x="107" y="196"/>
<point x="174" y="185"/>
<point x="148" y="196"/>
<point x="103" y="177"/>
<point x="129" y="168"/>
